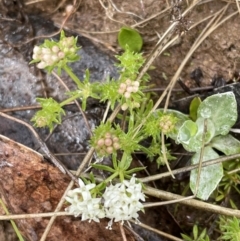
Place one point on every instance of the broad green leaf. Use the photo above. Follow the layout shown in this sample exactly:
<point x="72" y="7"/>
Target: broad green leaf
<point x="210" y="176"/>
<point x="128" y="37"/>
<point x="191" y="134"/>
<point x="187" y="131"/>
<point x="209" y="131"/>
<point x="226" y="144"/>
<point x="194" y="107"/>
<point x="187" y="136"/>
<point x="221" y="109"/>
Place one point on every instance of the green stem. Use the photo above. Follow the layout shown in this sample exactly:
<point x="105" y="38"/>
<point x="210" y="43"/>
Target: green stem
<point x="109" y="179"/>
<point x="73" y="76"/>
<point x="115" y="174"/>
<point x="69" y="100"/>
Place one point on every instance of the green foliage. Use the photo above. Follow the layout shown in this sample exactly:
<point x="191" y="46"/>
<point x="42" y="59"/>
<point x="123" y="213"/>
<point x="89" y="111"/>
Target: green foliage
<point x="129" y="65"/>
<point x="210" y="176"/>
<point x="194" y="107"/>
<point x="210" y="130"/>
<point x="230" y="180"/>
<point x="196" y="236"/>
<point x="49" y="115"/>
<point x="85" y="90"/>
<point x="130" y="38"/>
<point x="207" y="125"/>
<point x="230" y="228"/>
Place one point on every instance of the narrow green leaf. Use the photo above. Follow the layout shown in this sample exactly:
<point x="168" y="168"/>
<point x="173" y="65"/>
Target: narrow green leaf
<point x="103" y="167"/>
<point x="195" y="231"/>
<point x="134" y="170"/>
<point x="194" y="107"/>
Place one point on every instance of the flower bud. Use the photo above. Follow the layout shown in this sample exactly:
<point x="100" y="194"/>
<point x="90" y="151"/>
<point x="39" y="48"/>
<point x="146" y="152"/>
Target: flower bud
<point x="61" y="55"/>
<point x="121" y="91"/>
<point x="109" y="150"/>
<point x="136" y="83"/>
<point x="46" y="57"/>
<point x="37" y="50"/>
<point x="72" y="50"/>
<point x="116" y="146"/>
<point x="46" y="51"/>
<point x="129" y="89"/>
<point x="107" y="135"/>
<point x="108" y="142"/>
<point x="54" y="58"/>
<point x="124" y="106"/>
<point x="70" y="41"/>
<point x="115" y="139"/>
<point x="55" y="49"/>
<point x="100" y="142"/>
<point x="136" y="105"/>
<point x="35" y="56"/>
<point x="127" y="95"/>
<point x="134" y="89"/>
<point x="128" y="82"/>
<point x="69" y="8"/>
<point x="123" y="86"/>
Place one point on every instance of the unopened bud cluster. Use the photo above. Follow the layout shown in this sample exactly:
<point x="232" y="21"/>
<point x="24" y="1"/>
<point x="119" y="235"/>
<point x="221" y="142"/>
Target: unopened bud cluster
<point x="127" y="88"/>
<point x="48" y="56"/>
<point x="167" y="123"/>
<point x="107" y="144"/>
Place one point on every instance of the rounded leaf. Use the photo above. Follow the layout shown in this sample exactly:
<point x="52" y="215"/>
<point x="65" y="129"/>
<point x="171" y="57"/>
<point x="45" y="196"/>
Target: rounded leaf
<point x="187" y="131"/>
<point x="221" y="109"/>
<point x="128" y="37"/>
<point x="210" y="176"/>
<point x="191" y="134"/>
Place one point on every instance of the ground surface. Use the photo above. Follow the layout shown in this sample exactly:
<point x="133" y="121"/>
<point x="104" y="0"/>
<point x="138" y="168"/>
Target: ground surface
<point x="99" y="22"/>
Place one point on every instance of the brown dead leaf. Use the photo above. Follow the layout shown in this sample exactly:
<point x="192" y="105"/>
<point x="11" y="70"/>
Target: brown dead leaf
<point x="32" y="185"/>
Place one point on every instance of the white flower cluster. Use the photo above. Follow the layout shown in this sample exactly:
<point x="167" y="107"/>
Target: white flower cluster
<point x="122" y="201"/>
<point x="119" y="202"/>
<point x="83" y="204"/>
<point x="47" y="56"/>
<point x="50" y="56"/>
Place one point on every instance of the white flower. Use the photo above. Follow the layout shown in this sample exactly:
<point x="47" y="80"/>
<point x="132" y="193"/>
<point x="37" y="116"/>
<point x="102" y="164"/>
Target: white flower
<point x="82" y="203"/>
<point x="122" y="201"/>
